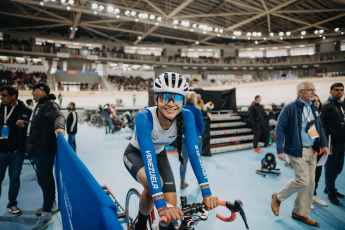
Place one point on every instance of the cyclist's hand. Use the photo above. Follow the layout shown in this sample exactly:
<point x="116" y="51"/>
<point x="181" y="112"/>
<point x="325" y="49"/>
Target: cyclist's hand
<point x="211" y="202"/>
<point x="171" y="213"/>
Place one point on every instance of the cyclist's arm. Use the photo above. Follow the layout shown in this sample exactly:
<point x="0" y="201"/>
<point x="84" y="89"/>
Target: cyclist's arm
<point x="194" y="152"/>
<point x="144" y="125"/>
<point x="199" y="121"/>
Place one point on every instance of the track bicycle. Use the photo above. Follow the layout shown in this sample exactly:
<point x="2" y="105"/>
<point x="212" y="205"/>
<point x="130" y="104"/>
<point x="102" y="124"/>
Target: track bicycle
<point x="191" y="213"/>
<point x="130" y="212"/>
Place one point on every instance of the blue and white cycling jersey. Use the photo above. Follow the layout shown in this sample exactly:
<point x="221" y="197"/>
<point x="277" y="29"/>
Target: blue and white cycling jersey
<point x="160" y="137"/>
<point x="150" y="138"/>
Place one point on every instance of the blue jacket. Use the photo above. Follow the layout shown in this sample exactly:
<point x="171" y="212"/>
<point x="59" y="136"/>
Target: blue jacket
<point x="199" y="120"/>
<point x="288" y="130"/>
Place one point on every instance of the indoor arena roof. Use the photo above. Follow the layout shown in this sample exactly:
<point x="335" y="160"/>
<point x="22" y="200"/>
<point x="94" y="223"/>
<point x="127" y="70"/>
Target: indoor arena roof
<point x="204" y="22"/>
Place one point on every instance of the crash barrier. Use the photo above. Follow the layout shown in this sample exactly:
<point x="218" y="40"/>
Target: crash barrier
<point x="82" y="201"/>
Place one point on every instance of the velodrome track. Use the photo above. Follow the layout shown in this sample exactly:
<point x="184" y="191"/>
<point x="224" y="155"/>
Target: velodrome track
<point x="231" y="175"/>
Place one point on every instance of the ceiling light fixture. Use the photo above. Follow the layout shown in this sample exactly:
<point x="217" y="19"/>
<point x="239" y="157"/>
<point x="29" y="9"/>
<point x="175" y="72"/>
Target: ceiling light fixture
<point x="110" y="9"/>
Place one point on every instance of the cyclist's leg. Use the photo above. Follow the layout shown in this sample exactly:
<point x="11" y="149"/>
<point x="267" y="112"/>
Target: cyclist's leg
<point x="167" y="178"/>
<point x="135" y="165"/>
<point x="146" y="201"/>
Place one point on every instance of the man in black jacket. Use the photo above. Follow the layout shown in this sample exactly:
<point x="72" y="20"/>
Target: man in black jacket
<point x="45" y="124"/>
<point x="333" y="119"/>
<point x="13" y="113"/>
<point x="72" y="125"/>
<point x="257" y="116"/>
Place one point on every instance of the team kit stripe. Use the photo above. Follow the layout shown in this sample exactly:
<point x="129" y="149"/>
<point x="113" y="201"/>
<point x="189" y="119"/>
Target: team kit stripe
<point x="204" y="187"/>
<point x="157" y="194"/>
<point x="158" y="198"/>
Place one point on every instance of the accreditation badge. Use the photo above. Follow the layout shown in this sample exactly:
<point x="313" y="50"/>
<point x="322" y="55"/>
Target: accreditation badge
<point x="313" y="132"/>
<point x="4" y="132"/>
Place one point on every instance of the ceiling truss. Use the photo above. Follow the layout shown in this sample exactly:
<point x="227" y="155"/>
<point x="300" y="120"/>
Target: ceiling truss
<point x="231" y="15"/>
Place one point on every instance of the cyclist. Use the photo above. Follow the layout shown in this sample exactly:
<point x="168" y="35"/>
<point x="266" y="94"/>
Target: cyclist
<point x="146" y="159"/>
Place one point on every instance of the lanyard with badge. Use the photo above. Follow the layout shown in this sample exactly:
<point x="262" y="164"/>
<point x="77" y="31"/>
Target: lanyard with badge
<point x="29" y="126"/>
<point x="310" y="127"/>
<point x="5" y="129"/>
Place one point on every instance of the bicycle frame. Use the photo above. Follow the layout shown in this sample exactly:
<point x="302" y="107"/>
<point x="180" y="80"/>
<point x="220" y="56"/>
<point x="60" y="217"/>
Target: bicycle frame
<point x="152" y="218"/>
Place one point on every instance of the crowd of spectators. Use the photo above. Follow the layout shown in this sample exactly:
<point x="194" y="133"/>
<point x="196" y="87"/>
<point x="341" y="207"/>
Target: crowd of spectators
<point x="9" y="44"/>
<point x="130" y="83"/>
<point x="21" y="80"/>
<point x="21" y="62"/>
<point x="116" y="52"/>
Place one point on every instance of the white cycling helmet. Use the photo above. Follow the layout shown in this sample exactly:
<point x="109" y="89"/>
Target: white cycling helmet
<point x="171" y="82"/>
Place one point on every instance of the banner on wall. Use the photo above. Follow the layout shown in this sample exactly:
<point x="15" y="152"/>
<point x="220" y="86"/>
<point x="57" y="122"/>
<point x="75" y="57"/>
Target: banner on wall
<point x="72" y="71"/>
<point x="230" y="77"/>
<point x="75" y="72"/>
<point x="247" y="77"/>
<point x="23" y="68"/>
<point x="62" y="55"/>
<point x="77" y="56"/>
<point x="83" y="203"/>
<point x="142" y="74"/>
<point x="321" y="74"/>
<point x="92" y="57"/>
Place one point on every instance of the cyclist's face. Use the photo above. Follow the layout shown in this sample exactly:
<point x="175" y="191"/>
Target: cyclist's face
<point x="170" y="110"/>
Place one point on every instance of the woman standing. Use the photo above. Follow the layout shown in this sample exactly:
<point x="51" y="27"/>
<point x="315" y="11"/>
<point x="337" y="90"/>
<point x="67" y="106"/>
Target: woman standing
<point x="191" y="99"/>
<point x="318" y="170"/>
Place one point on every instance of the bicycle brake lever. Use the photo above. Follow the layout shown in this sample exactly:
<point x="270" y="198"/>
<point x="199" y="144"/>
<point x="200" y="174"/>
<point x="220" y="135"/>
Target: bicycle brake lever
<point x="204" y="215"/>
<point x="239" y="208"/>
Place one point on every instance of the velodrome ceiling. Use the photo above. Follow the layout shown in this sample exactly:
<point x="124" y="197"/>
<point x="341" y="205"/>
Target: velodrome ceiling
<point x="205" y="22"/>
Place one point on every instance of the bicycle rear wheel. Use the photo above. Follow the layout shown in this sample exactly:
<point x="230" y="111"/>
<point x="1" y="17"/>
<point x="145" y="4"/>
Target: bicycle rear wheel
<point x="132" y="209"/>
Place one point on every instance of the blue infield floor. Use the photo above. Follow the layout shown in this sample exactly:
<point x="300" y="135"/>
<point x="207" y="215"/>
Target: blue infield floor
<point x="231" y="176"/>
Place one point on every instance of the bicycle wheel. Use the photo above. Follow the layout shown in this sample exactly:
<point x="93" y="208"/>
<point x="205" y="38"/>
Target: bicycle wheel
<point x="132" y="209"/>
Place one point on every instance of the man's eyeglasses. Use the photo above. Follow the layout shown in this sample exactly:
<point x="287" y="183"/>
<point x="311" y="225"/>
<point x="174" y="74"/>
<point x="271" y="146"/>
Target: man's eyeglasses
<point x="310" y="90"/>
<point x="166" y="97"/>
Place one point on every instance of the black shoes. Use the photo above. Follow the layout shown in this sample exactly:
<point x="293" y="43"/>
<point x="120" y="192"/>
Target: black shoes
<point x="339" y="195"/>
<point x="332" y="197"/>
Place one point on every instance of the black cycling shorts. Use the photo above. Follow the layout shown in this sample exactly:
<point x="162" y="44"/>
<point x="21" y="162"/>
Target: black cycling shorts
<point x="134" y="162"/>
